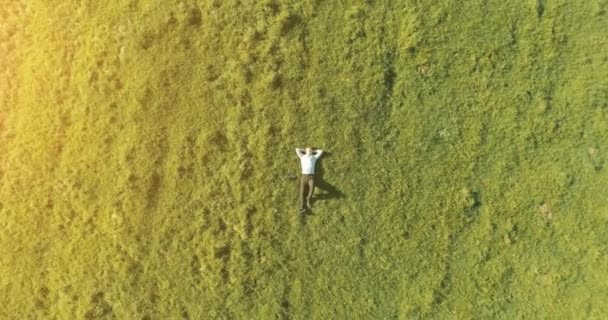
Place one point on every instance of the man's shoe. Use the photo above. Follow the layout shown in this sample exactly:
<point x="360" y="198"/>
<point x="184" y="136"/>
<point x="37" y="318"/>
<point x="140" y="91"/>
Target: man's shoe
<point x="302" y="210"/>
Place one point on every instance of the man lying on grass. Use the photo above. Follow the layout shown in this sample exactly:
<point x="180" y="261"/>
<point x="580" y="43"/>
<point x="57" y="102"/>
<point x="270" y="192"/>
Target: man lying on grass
<point x="308" y="160"/>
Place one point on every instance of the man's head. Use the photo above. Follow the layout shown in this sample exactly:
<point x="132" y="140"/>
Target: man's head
<point x="308" y="150"/>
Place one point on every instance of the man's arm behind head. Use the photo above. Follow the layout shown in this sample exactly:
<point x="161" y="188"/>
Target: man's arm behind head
<point x="299" y="152"/>
<point x="319" y="153"/>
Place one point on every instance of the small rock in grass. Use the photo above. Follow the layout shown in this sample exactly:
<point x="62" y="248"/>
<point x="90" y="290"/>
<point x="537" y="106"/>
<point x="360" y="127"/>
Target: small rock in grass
<point x="545" y="211"/>
<point x="424" y="70"/>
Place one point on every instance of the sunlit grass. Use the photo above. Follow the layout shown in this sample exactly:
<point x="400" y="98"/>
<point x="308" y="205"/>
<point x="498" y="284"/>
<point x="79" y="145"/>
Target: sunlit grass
<point x="146" y="152"/>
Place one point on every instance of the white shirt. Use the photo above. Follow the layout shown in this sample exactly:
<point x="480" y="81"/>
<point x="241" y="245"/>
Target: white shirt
<point x="308" y="161"/>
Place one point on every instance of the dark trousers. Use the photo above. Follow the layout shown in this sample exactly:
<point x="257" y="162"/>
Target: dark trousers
<point x="306" y="180"/>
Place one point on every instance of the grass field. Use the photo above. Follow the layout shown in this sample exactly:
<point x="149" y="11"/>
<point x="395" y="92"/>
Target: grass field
<point x="146" y="149"/>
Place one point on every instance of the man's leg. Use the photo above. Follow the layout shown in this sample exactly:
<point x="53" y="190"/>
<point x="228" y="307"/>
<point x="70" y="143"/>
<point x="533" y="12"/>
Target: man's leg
<point x="302" y="191"/>
<point x="311" y="190"/>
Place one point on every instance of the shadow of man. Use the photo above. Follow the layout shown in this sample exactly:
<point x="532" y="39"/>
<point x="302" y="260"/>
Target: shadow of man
<point x="331" y="192"/>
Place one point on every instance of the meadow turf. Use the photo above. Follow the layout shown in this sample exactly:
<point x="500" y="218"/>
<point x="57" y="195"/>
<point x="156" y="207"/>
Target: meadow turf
<point x="146" y="149"/>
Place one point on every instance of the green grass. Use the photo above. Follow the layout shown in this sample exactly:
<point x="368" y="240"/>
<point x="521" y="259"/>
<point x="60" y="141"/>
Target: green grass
<point x="145" y="149"/>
